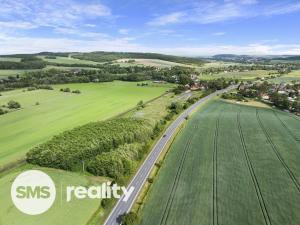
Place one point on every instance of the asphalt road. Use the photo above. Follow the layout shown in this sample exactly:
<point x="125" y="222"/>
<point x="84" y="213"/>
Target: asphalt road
<point x="141" y="176"/>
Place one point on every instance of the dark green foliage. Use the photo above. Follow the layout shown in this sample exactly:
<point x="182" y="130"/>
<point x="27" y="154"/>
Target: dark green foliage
<point x="130" y="219"/>
<point x="76" y="92"/>
<point x="110" y="56"/>
<point x="25" y="63"/>
<point x="233" y="96"/>
<point x="2" y="111"/>
<point x="67" y="150"/>
<point x="106" y="202"/>
<point x="13" y="105"/>
<point x="175" y="107"/>
<point x="117" y="163"/>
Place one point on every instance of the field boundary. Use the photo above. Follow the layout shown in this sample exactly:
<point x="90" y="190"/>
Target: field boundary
<point x="252" y="174"/>
<point x="290" y="173"/>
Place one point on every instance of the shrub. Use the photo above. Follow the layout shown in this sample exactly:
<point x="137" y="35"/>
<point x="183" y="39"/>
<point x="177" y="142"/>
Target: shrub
<point x="76" y="92"/>
<point x="13" y="105"/>
<point x="130" y="219"/>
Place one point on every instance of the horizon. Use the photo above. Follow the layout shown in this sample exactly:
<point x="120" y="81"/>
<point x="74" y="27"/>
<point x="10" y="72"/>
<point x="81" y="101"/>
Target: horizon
<point x="183" y="28"/>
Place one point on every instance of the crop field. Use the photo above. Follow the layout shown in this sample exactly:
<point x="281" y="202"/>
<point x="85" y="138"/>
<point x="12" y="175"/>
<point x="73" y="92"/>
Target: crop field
<point x="231" y="164"/>
<point x="68" y="60"/>
<point x="247" y="75"/>
<point x="6" y="73"/>
<point x="58" y="111"/>
<point x="75" y="212"/>
<point x="149" y="62"/>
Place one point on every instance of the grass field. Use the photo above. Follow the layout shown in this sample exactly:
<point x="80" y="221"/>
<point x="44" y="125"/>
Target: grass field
<point x="68" y="60"/>
<point x="77" y="212"/>
<point x="247" y="75"/>
<point x="58" y="111"/>
<point x="233" y="165"/>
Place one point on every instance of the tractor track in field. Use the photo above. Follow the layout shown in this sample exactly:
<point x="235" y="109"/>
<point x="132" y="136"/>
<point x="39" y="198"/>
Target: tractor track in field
<point x="215" y="174"/>
<point x="290" y="173"/>
<point x="288" y="130"/>
<point x="166" y="212"/>
<point x="252" y="173"/>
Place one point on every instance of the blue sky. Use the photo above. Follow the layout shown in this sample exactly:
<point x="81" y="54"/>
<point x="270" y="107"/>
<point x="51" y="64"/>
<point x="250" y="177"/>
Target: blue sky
<point x="180" y="27"/>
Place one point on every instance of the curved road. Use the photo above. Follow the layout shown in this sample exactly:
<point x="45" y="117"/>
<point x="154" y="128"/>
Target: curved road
<point x="141" y="176"/>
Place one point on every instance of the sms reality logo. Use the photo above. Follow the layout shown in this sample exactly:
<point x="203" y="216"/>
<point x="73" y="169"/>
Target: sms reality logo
<point x="33" y="192"/>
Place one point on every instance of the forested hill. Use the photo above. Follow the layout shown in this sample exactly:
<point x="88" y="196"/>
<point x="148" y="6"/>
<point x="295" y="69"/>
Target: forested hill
<point x="110" y="56"/>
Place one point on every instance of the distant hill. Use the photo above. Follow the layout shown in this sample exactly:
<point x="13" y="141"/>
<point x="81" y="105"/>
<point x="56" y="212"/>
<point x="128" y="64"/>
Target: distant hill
<point x="111" y="56"/>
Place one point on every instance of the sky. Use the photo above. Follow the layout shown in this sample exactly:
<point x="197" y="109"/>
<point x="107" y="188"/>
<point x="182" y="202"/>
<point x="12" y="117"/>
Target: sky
<point x="178" y="27"/>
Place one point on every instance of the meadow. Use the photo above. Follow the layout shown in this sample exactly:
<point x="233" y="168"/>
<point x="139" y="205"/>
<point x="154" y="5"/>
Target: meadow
<point x="231" y="164"/>
<point x="57" y="111"/>
<point x="68" y="60"/>
<point x="66" y="213"/>
<point x="149" y="62"/>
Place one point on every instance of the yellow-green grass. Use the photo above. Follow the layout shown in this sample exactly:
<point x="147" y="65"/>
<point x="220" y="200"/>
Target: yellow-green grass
<point x="232" y="164"/>
<point x="247" y="75"/>
<point x="58" y="111"/>
<point x="75" y="212"/>
<point x="68" y="60"/>
<point x="149" y="62"/>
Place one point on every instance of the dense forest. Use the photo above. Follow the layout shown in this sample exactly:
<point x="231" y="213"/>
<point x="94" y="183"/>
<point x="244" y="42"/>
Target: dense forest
<point x="69" y="149"/>
<point x="111" y="56"/>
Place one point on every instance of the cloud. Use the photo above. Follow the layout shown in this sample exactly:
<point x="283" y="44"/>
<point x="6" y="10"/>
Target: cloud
<point x="212" y="12"/>
<point x="17" y="25"/>
<point x="12" y="45"/>
<point x="219" y="34"/>
<point x="167" y="19"/>
<point x="280" y="9"/>
<point x="51" y="13"/>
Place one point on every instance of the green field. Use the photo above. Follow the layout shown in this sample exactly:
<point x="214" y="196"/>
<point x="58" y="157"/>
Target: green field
<point x="288" y="78"/>
<point x="231" y="164"/>
<point x="58" y="111"/>
<point x="68" y="60"/>
<point x="246" y="75"/>
<point x="149" y="62"/>
<point x="10" y="59"/>
<point x="77" y="212"/>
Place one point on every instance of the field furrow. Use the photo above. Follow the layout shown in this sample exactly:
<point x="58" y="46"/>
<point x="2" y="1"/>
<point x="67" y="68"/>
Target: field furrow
<point x="290" y="173"/>
<point x="253" y="176"/>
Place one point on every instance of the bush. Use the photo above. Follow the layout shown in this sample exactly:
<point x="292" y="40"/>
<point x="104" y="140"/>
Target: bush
<point x="13" y="105"/>
<point x="76" y="92"/>
<point x="2" y="111"/>
<point x="130" y="219"/>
